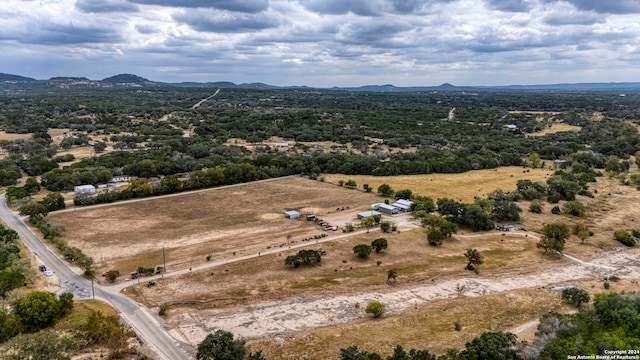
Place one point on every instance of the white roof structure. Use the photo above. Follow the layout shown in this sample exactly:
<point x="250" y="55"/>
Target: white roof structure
<point x="84" y="189"/>
<point x="365" y="214"/>
<point x="403" y="205"/>
<point x="292" y="214"/>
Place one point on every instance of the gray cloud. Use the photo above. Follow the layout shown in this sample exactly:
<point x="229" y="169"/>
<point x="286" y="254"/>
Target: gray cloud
<point x="508" y="5"/>
<point x="56" y="34"/>
<point x="578" y="18"/>
<point x="340" y="7"/>
<point x="105" y="6"/>
<point x="223" y="22"/>
<point x="246" y="6"/>
<point x="605" y="6"/>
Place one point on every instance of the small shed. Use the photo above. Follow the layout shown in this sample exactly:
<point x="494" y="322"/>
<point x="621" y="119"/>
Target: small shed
<point x="292" y="214"/>
<point x="365" y="214"/>
<point x="387" y="209"/>
<point x="121" y="178"/>
<point x="84" y="189"/>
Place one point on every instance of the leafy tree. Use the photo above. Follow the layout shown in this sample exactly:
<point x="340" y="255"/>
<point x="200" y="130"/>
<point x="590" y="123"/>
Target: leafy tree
<point x="534" y="160"/>
<point x="438" y="228"/>
<point x="65" y="303"/>
<point x="424" y="203"/>
<point x="435" y="237"/>
<point x="574" y="208"/>
<point x="404" y="194"/>
<point x="452" y="210"/>
<point x="376" y="308"/>
<point x="379" y="244"/>
<point x="221" y="346"/>
<point x="563" y="188"/>
<point x="477" y="219"/>
<point x="362" y="251"/>
<point x="37" y="310"/>
<point x="111" y="276"/>
<point x="474" y="259"/>
<point x="581" y="231"/>
<point x="491" y="346"/>
<point x="353" y="353"/>
<point x="351" y="184"/>
<point x="170" y="184"/>
<point x="556" y="210"/>
<point x="99" y="147"/>
<point x="10" y="325"/>
<point x="32" y="186"/>
<point x="367" y="222"/>
<point x="34" y="210"/>
<point x="575" y="296"/>
<point x="53" y="201"/>
<point x="304" y="257"/>
<point x="400" y="354"/>
<point x="256" y="356"/>
<point x="385" y="226"/>
<point x="554" y="236"/>
<point x="367" y="188"/>
<point x="385" y="190"/>
<point x="506" y="210"/>
<point x="10" y="280"/>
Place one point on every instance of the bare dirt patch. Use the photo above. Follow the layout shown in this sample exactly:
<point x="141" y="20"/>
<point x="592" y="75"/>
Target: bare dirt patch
<point x="463" y="187"/>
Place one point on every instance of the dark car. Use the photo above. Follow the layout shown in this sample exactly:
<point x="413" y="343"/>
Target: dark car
<point x="42" y="268"/>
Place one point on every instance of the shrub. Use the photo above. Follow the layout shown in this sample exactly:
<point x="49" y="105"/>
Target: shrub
<point x="536" y="207"/>
<point x="375" y="308"/>
<point x="362" y="251"/>
<point x="624" y="237"/>
<point x="575" y="296"/>
<point x="555" y="210"/>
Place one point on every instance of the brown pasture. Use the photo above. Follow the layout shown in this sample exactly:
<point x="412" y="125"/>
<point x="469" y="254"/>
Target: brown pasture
<point x="463" y="187"/>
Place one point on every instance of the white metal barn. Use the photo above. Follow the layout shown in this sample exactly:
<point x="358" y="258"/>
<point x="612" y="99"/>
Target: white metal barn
<point x="84" y="189"/>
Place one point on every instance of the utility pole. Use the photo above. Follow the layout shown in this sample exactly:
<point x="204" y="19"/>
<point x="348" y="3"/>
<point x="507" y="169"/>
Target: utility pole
<point x="164" y="262"/>
<point x="93" y="294"/>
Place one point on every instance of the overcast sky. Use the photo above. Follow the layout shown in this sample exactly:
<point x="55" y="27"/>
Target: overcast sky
<point x="325" y="42"/>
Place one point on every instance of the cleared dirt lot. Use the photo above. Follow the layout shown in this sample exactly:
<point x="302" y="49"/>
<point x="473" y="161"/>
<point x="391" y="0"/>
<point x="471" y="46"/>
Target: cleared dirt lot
<point x="311" y="311"/>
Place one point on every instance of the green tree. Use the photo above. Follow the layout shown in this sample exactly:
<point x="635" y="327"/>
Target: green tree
<point x="34" y="210"/>
<point x="10" y="325"/>
<point x="385" y="190"/>
<point x="574" y="208"/>
<point x="506" y="210"/>
<point x="221" y="346"/>
<point x="385" y="226"/>
<point x="491" y="346"/>
<point x="581" y="231"/>
<point x="406" y="194"/>
<point x="351" y="184"/>
<point x="575" y="296"/>
<point x="376" y="308"/>
<point x="474" y="259"/>
<point x="477" y="219"/>
<point x="10" y="280"/>
<point x="367" y="222"/>
<point x="170" y="184"/>
<point x="53" y="201"/>
<point x="111" y="276"/>
<point x="400" y="354"/>
<point x="534" y="160"/>
<point x="379" y="244"/>
<point x="438" y="228"/>
<point x="32" y="185"/>
<point x="554" y="236"/>
<point x="100" y="147"/>
<point x="367" y="188"/>
<point x="362" y="251"/>
<point x="37" y="310"/>
<point x="65" y="303"/>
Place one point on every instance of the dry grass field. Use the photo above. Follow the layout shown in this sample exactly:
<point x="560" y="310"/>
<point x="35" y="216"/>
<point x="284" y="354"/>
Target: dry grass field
<point x="463" y="187"/>
<point x="556" y="128"/>
<point x="310" y="312"/>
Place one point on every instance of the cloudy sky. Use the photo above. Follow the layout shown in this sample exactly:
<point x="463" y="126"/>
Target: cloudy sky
<point x="325" y="42"/>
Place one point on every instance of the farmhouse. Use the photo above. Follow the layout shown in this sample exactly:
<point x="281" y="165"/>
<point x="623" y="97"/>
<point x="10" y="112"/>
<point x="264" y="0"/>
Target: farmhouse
<point x="292" y="214"/>
<point x="509" y="127"/>
<point x="84" y="189"/>
<point x="402" y="205"/>
<point x="387" y="209"/>
<point x="365" y="214"/>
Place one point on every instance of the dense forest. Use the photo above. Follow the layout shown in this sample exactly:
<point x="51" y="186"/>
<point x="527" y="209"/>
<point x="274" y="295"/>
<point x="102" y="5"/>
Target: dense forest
<point x="367" y="133"/>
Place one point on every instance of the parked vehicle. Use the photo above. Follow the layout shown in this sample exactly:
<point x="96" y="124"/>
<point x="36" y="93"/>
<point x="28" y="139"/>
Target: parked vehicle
<point x="42" y="268"/>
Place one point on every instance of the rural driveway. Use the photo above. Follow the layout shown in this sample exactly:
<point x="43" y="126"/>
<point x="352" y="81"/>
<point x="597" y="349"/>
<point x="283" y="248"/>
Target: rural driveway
<point x="145" y="326"/>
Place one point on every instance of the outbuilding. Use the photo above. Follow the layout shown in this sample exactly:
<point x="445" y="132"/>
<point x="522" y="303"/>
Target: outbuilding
<point x="84" y="189"/>
<point x="292" y="214"/>
<point x="402" y="205"/>
<point x="387" y="209"/>
<point x="366" y="214"/>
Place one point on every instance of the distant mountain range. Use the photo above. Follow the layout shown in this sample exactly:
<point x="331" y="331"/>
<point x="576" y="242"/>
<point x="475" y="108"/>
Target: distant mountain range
<point x="10" y="80"/>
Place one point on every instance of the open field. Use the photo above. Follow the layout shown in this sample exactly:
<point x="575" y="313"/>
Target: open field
<point x="463" y="187"/>
<point x="311" y="311"/>
<point x="556" y="128"/>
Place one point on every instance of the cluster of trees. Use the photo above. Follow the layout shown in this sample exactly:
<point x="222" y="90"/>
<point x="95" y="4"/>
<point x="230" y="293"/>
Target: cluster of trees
<point x="363" y="251"/>
<point x="221" y="345"/>
<point x="36" y="311"/>
<point x="304" y="257"/>
<point x="11" y="275"/>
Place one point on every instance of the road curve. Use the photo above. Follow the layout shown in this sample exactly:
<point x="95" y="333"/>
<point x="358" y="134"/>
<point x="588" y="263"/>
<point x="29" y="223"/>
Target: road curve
<point x="145" y="326"/>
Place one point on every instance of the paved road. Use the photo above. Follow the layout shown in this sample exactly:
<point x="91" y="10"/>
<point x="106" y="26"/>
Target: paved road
<point x="145" y="326"/>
